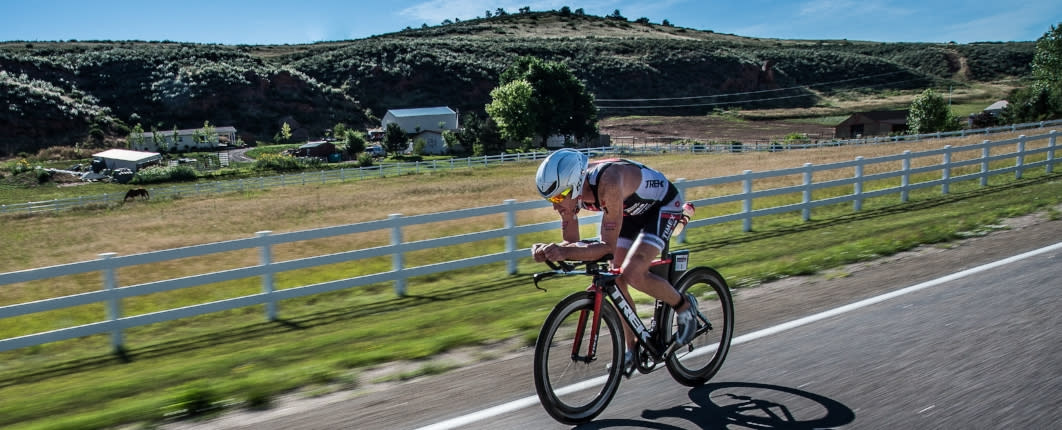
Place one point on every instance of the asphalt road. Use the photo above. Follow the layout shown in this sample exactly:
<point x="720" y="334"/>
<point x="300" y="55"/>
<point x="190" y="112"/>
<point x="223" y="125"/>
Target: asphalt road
<point x="955" y="344"/>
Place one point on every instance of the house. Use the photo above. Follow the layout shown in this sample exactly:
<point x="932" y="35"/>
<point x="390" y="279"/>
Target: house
<point x="874" y="123"/>
<point x="321" y="148"/>
<point x="988" y="117"/>
<point x="413" y="121"/>
<point x="996" y="109"/>
<point x="423" y="123"/>
<point x="184" y="140"/>
<point x="122" y="158"/>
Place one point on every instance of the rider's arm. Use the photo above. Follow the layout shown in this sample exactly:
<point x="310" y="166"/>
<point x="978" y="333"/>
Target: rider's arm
<point x="611" y="193"/>
<point x="573" y="249"/>
<point x="569" y="214"/>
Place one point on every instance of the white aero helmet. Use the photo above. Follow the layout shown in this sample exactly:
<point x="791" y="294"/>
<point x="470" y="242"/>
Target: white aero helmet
<point x="561" y="174"/>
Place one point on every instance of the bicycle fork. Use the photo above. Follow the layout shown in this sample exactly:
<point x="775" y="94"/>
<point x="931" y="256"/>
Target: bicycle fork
<point x="591" y="350"/>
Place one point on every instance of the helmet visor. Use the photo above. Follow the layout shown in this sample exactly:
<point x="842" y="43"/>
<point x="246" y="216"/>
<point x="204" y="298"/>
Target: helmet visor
<point x="559" y="197"/>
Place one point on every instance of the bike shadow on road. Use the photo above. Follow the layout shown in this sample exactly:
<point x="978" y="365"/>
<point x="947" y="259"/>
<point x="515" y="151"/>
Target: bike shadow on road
<point x="733" y="405"/>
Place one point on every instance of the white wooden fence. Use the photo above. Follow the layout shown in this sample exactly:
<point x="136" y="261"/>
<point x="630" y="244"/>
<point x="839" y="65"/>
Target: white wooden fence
<point x="975" y="158"/>
<point x="405" y="168"/>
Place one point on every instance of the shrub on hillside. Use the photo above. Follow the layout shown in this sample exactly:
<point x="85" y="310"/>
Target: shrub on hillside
<point x="154" y="175"/>
<point x="285" y="163"/>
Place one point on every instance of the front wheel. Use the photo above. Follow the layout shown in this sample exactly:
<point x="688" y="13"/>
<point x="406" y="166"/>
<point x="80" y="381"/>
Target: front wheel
<point x="574" y="383"/>
<point x="696" y="363"/>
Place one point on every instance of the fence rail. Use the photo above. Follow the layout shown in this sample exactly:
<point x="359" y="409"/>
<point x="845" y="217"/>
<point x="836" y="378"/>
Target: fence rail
<point x="952" y="160"/>
<point x="680" y="144"/>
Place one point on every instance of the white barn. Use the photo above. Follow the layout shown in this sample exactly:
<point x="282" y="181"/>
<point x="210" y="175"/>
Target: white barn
<point x="123" y="158"/>
<point x="426" y="124"/>
<point x="416" y="120"/>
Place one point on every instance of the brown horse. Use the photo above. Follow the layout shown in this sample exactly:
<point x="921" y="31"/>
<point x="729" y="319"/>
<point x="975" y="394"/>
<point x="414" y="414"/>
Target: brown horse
<point x="136" y="192"/>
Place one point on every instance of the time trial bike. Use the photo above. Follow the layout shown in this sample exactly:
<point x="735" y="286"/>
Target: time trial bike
<point x="579" y="355"/>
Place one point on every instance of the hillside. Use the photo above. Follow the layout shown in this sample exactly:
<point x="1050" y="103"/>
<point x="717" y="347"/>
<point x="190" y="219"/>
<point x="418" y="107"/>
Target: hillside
<point x="92" y="92"/>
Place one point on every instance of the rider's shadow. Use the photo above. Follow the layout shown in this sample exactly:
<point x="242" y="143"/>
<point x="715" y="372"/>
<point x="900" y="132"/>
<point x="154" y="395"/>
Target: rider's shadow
<point x="745" y="405"/>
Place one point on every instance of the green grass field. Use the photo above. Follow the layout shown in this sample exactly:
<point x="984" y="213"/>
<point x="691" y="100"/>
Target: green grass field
<point x="236" y="359"/>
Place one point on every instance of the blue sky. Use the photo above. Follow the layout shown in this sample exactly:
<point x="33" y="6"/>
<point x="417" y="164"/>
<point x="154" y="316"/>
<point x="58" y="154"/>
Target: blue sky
<point x="307" y="21"/>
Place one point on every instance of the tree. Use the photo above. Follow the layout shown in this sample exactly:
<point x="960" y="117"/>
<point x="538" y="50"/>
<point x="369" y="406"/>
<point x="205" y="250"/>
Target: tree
<point x="285" y="132"/>
<point x="395" y="139"/>
<point x="136" y="137"/>
<point x="355" y="141"/>
<point x="159" y="140"/>
<point x="419" y="145"/>
<point x="1037" y="102"/>
<point x="477" y="136"/>
<point x="176" y="136"/>
<point x="1047" y="62"/>
<point x="510" y="107"/>
<point x="930" y="113"/>
<point x="559" y="104"/>
<point x="339" y="131"/>
<point x="1043" y="99"/>
<point x="206" y="134"/>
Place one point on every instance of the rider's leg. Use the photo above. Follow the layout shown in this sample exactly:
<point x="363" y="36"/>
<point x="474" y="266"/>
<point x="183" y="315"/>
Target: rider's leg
<point x="636" y="273"/>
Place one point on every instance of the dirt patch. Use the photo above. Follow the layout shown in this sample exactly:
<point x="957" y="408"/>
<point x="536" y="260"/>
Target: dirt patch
<point x="662" y="129"/>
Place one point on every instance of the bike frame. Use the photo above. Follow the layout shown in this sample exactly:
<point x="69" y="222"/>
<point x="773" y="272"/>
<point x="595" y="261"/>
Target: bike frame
<point x="603" y="286"/>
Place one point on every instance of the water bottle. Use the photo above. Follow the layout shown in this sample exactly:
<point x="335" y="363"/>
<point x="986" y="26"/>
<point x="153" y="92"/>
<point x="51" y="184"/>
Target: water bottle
<point x="687" y="213"/>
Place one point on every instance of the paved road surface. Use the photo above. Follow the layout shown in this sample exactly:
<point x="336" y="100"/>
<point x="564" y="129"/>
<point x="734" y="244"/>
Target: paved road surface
<point x="981" y="351"/>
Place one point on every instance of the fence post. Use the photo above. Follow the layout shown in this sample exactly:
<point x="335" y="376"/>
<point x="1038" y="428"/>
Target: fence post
<point x="1019" y="163"/>
<point x="114" y="304"/>
<point x="986" y="152"/>
<point x="510" y="238"/>
<point x="857" y="186"/>
<point x="1051" y="151"/>
<point x="747" y="204"/>
<point x="806" y="211"/>
<point x="945" y="174"/>
<point x="905" y="179"/>
<point x="397" y="258"/>
<point x="265" y="258"/>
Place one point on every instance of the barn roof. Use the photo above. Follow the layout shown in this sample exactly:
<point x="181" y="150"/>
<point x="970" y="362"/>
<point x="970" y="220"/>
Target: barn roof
<point x="126" y="155"/>
<point x="313" y="144"/>
<point x="438" y="110"/>
<point x="997" y="105"/>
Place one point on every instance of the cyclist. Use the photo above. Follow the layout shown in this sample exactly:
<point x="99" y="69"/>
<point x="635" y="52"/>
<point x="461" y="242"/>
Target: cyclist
<point x="640" y="209"/>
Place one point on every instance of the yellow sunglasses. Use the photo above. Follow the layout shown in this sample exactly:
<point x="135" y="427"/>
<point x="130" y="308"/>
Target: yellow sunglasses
<point x="560" y="196"/>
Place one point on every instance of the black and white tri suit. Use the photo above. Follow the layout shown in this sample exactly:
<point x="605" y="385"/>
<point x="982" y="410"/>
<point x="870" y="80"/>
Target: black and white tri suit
<point x="650" y="214"/>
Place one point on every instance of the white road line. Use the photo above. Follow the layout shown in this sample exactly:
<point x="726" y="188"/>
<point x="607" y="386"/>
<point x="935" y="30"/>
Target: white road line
<point x="533" y="400"/>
